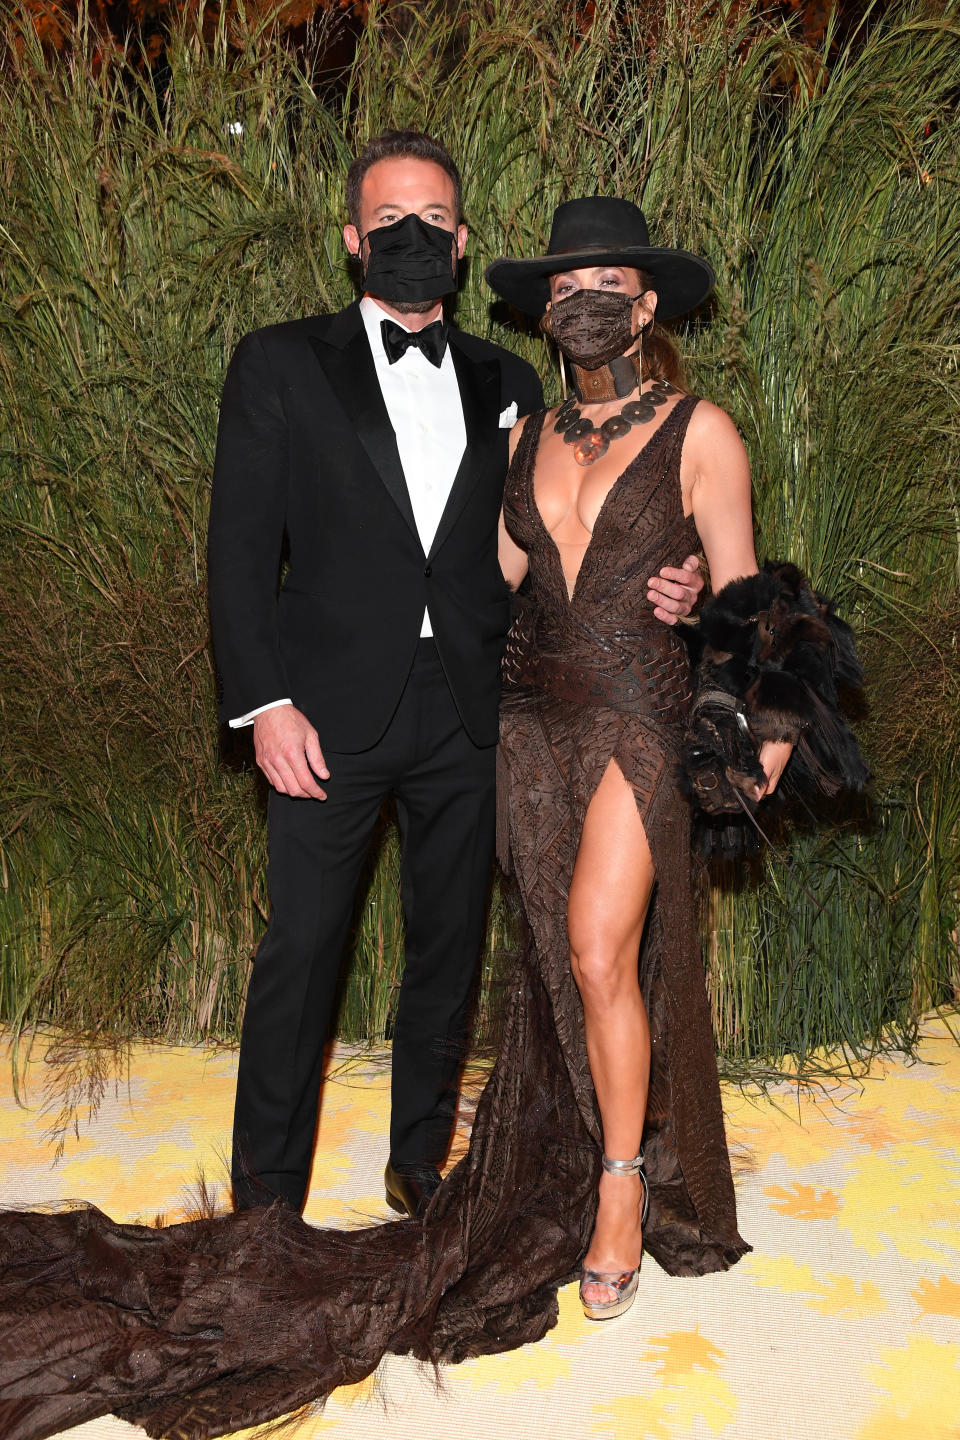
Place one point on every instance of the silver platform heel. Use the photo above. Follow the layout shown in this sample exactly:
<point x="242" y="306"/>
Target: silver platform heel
<point x="624" y="1282"/>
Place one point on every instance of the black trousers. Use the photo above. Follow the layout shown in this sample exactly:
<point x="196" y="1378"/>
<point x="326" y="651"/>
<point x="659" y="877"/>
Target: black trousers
<point x="443" y="786"/>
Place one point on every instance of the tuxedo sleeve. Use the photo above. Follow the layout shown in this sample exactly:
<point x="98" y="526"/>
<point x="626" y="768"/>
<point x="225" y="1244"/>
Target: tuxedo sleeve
<point x="245" y="538"/>
<point x="525" y="388"/>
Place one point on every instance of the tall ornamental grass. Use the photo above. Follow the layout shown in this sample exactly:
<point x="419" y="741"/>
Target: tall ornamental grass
<point x="149" y="220"/>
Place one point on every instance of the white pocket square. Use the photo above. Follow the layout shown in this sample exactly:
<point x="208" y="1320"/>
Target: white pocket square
<point x="509" y="417"/>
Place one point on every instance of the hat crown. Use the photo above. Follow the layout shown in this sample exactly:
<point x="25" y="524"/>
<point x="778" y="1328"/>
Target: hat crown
<point x="597" y="222"/>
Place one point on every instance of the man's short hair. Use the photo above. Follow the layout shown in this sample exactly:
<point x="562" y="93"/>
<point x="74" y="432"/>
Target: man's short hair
<point x="389" y="145"/>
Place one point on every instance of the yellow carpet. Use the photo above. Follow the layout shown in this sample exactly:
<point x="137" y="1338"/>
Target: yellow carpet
<point x="844" y="1323"/>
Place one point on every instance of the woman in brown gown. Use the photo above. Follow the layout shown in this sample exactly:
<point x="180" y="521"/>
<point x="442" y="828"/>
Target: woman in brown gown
<point x="600" y="496"/>
<point x="198" y="1329"/>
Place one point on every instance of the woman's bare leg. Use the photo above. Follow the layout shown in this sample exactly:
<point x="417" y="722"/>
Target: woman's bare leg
<point x="609" y="895"/>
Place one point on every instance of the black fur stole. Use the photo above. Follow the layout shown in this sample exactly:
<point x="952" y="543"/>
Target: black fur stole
<point x="775" y="663"/>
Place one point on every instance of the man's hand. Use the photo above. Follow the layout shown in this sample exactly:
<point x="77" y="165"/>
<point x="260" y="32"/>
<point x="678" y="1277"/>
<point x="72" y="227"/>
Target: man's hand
<point x="673" y="593"/>
<point x="288" y="752"/>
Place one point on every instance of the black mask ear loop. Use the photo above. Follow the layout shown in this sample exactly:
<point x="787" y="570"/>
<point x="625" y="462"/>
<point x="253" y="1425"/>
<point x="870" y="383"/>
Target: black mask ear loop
<point x="360" y="260"/>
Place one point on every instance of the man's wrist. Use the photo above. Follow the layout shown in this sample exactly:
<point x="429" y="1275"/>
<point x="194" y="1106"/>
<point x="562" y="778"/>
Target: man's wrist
<point x="251" y="715"/>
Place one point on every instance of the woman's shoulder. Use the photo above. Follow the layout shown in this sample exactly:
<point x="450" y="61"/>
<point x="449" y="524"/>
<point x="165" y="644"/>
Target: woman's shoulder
<point x="714" y="457"/>
<point x="710" y="425"/>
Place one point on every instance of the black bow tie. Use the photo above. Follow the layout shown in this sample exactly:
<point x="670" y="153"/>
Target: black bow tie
<point x="431" y="340"/>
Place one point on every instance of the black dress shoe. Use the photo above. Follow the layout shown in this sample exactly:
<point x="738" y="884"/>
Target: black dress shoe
<point x="411" y="1187"/>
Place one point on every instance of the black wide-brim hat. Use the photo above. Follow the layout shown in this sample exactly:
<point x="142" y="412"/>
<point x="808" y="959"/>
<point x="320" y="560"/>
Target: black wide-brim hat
<point x="602" y="230"/>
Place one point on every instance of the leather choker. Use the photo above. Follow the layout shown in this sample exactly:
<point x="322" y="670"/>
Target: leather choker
<point x="611" y="382"/>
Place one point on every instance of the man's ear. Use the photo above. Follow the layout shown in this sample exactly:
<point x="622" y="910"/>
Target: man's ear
<point x="461" y="240"/>
<point x="351" y="238"/>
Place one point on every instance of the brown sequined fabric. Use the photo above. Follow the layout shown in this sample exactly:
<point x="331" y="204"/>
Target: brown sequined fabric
<point x="199" y="1329"/>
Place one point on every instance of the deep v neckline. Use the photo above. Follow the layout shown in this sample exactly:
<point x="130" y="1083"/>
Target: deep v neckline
<point x="571" y="594"/>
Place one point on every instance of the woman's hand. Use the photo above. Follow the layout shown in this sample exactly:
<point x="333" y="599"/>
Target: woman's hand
<point x="774" y="755"/>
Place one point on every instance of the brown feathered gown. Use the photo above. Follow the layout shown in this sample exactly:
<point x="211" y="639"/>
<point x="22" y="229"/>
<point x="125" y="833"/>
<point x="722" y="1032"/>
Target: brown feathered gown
<point x="198" y="1329"/>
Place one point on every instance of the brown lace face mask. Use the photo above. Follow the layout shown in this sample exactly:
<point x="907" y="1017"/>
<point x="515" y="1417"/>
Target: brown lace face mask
<point x="592" y="327"/>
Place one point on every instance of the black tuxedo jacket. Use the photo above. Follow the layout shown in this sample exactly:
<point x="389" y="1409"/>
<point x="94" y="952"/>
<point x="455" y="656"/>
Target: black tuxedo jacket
<point x="307" y="464"/>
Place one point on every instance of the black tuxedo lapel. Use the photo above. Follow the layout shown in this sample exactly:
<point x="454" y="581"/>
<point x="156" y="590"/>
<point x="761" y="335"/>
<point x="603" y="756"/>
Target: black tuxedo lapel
<point x="348" y="365"/>
<point x="479" y="384"/>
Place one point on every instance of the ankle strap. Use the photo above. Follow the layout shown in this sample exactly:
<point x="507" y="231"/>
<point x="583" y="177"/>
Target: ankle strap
<point x="624" y="1167"/>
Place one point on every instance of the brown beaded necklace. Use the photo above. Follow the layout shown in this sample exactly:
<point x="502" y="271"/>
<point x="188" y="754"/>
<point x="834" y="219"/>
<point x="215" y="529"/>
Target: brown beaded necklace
<point x="621" y="377"/>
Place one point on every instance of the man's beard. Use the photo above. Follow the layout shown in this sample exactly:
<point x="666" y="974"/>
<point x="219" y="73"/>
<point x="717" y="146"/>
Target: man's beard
<point x="412" y="307"/>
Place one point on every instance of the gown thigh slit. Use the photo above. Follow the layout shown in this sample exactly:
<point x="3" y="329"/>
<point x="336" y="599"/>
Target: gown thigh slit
<point x="623" y="831"/>
<point x="198" y="1329"/>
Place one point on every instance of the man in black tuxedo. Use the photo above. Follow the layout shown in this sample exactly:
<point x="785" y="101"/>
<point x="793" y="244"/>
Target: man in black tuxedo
<point x="375" y="442"/>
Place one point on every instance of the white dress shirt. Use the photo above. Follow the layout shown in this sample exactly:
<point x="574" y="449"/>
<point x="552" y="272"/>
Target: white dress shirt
<point x="426" y="412"/>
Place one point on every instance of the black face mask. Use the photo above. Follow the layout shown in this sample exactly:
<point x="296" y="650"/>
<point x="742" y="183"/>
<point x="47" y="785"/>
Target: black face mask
<point x="409" y="260"/>
<point x="593" y="327"/>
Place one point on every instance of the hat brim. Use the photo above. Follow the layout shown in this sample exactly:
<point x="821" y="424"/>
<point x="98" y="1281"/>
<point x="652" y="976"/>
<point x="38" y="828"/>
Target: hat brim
<point x="682" y="280"/>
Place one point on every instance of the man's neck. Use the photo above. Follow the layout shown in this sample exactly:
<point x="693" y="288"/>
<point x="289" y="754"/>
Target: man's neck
<point x="413" y="322"/>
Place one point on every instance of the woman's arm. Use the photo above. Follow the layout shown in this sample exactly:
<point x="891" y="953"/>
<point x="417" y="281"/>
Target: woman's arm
<point x="715" y="479"/>
<point x="513" y="560"/>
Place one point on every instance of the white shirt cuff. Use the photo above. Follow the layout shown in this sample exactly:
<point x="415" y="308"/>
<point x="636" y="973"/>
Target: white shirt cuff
<point x="251" y="715"/>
